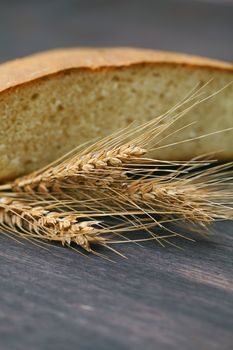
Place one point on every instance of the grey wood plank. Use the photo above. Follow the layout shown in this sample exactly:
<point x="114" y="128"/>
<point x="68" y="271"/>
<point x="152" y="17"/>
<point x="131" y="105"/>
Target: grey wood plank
<point x="162" y="298"/>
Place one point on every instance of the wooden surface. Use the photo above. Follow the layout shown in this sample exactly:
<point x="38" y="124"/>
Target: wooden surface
<point x="160" y="298"/>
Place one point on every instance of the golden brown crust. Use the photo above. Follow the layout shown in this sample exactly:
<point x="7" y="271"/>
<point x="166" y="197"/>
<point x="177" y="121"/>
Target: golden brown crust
<point x="37" y="66"/>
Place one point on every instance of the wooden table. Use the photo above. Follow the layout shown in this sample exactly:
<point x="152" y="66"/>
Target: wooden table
<point x="160" y="298"/>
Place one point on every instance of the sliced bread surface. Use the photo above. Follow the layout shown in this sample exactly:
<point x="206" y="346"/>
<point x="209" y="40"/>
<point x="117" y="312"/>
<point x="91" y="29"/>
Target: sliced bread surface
<point x="53" y="101"/>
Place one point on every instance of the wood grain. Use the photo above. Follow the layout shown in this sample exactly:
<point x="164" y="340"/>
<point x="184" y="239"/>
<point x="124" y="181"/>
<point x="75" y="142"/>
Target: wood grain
<point x="163" y="298"/>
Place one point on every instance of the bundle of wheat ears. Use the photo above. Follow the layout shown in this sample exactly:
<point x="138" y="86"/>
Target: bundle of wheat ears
<point x="100" y="193"/>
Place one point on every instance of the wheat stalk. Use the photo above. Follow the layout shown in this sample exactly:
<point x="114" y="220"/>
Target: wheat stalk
<point x="100" y="168"/>
<point x="200" y="197"/>
<point x="183" y="201"/>
<point x="62" y="201"/>
<point x="36" y="221"/>
<point x="104" y="164"/>
<point x="32" y="221"/>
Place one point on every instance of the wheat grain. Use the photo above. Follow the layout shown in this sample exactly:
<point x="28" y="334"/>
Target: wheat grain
<point x="200" y="198"/>
<point x="175" y="200"/>
<point x="104" y="164"/>
<point x="100" y="168"/>
<point x="41" y="223"/>
<point x="37" y="222"/>
<point x="100" y="180"/>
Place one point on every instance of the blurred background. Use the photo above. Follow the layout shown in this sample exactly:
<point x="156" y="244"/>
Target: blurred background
<point x="203" y="27"/>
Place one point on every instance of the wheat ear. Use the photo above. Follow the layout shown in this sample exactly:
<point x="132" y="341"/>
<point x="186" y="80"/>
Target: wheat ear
<point x="107" y="170"/>
<point x="199" y="198"/>
<point x="36" y="221"/>
<point x="100" y="168"/>
<point x="185" y="202"/>
<point x="33" y="221"/>
<point x="107" y="157"/>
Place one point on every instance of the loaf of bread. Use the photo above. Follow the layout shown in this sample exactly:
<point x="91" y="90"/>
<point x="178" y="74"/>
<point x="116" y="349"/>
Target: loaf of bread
<point x="53" y="101"/>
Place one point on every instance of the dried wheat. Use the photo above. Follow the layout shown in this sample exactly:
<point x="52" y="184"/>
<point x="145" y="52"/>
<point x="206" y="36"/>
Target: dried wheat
<point x="103" y="165"/>
<point x="41" y="223"/>
<point x="100" y="168"/>
<point x="200" y="198"/>
<point x="100" y="180"/>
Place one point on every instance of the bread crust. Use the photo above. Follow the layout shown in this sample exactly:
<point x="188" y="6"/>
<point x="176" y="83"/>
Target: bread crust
<point x="23" y="71"/>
